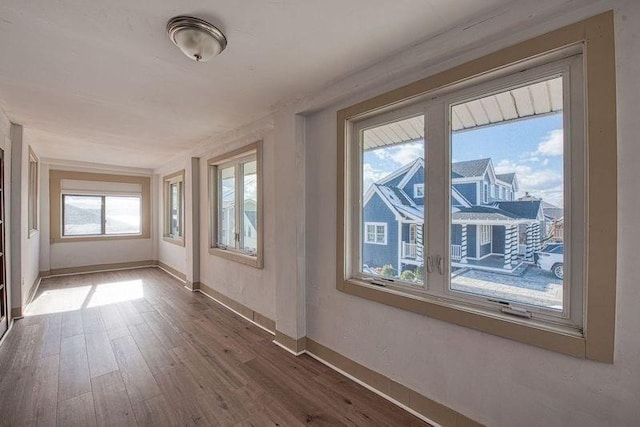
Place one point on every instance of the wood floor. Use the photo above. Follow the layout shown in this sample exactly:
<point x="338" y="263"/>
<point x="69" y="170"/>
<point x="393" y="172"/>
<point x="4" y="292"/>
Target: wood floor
<point x="136" y="348"/>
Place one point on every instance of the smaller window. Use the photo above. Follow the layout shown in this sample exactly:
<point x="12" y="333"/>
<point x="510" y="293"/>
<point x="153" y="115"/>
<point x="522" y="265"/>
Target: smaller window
<point x="485" y="192"/>
<point x="33" y="192"/>
<point x="418" y="191"/>
<point x="485" y="234"/>
<point x="174" y="208"/>
<point x="236" y="230"/>
<point x="376" y="233"/>
<point x="493" y="191"/>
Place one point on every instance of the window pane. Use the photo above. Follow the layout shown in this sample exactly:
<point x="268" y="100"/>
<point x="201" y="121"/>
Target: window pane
<point x="504" y="244"/>
<point x="393" y="193"/>
<point x="175" y="209"/>
<point x="227" y="214"/>
<point x="122" y="214"/>
<point x="250" y="216"/>
<point x="82" y="215"/>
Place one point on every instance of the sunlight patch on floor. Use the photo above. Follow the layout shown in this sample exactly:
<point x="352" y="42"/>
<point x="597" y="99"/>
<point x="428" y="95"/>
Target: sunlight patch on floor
<point x="76" y="298"/>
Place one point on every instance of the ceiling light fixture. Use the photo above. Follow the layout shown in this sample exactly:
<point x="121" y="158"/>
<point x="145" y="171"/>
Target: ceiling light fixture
<point x="196" y="38"/>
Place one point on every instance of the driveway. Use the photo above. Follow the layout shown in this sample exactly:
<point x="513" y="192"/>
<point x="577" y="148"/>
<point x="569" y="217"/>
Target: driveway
<point x="534" y="286"/>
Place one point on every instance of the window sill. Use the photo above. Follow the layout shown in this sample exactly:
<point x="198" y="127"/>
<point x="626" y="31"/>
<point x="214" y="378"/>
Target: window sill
<point x="252" y="261"/>
<point x="179" y="241"/>
<point x="525" y="331"/>
<point x="72" y="239"/>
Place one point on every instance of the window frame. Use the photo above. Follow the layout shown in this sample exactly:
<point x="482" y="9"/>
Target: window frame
<point x="55" y="208"/>
<point x="418" y="191"/>
<point x="236" y="157"/>
<point x="169" y="180"/>
<point x="368" y="224"/>
<point x="103" y="207"/>
<point x="33" y="193"/>
<point x="485" y="234"/>
<point x="596" y="341"/>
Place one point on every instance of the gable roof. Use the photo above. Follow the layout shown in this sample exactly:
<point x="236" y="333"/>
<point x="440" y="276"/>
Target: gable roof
<point x="527" y="209"/>
<point x="414" y="165"/>
<point x="400" y="203"/>
<point x="506" y="177"/>
<point x="483" y="213"/>
<point x="470" y="168"/>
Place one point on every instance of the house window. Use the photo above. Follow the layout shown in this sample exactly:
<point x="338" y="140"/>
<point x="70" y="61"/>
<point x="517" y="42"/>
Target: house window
<point x="485" y="234"/>
<point x="501" y="193"/>
<point x="174" y="208"/>
<point x="539" y="105"/>
<point x="376" y="233"/>
<point x="418" y="191"/>
<point x="235" y="186"/>
<point x="493" y="191"/>
<point x="33" y="193"/>
<point x="101" y="215"/>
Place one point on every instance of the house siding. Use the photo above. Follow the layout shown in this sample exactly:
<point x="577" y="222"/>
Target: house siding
<point x="468" y="190"/>
<point x="378" y="255"/>
<point x="498" y="239"/>
<point x="471" y="241"/>
<point x="417" y="178"/>
<point x="456" y="234"/>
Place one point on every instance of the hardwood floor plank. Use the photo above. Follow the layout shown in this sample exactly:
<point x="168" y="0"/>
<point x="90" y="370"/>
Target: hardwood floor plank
<point x="71" y="324"/>
<point x="157" y="358"/>
<point x="136" y="374"/>
<point x="172" y="357"/>
<point x="77" y="412"/>
<point x="111" y="401"/>
<point x="73" y="377"/>
<point x="100" y="354"/>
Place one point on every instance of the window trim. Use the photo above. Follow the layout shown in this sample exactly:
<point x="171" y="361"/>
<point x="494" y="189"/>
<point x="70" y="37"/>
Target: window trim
<point x="375" y="239"/>
<point x="213" y="164"/>
<point x="55" y="205"/>
<point x="168" y="180"/>
<point x="33" y="200"/>
<point x="417" y="187"/>
<point x="596" y="36"/>
<point x="103" y="206"/>
<point x="485" y="234"/>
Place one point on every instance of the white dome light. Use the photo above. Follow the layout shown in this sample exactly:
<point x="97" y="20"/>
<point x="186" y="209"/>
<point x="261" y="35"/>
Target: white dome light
<point x="196" y="38"/>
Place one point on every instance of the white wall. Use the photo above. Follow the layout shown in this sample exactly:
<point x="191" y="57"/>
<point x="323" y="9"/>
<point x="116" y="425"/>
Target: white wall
<point x="5" y="145"/>
<point x="77" y="254"/>
<point x="493" y="380"/>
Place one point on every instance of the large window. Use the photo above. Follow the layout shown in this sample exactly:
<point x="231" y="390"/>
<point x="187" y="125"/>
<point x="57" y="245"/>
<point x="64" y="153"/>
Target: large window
<point x="235" y="188"/>
<point x="33" y="192"/>
<point x="512" y="262"/>
<point x="95" y="215"/>
<point x="90" y="206"/>
<point x="174" y="208"/>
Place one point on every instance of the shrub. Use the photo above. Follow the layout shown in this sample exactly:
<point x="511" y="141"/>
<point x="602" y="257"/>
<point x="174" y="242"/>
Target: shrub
<point x="388" y="270"/>
<point x="408" y="275"/>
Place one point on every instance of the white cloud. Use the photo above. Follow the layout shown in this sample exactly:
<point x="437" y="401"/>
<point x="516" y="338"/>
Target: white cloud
<point x="552" y="145"/>
<point x="371" y="175"/>
<point x="544" y="183"/>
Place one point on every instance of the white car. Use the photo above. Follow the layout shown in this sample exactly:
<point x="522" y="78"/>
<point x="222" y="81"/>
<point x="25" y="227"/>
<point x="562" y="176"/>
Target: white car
<point x="551" y="258"/>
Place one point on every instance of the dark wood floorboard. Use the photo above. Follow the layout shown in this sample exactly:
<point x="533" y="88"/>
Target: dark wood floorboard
<point x="135" y="347"/>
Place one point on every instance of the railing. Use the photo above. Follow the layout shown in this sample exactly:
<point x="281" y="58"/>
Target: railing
<point x="456" y="252"/>
<point x="409" y="250"/>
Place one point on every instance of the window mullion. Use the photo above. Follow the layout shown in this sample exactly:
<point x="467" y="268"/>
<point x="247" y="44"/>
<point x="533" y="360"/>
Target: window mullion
<point x="239" y="181"/>
<point x="436" y="182"/>
<point x="104" y="215"/>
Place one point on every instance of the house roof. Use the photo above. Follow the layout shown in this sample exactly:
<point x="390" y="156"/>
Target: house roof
<point x="506" y="177"/>
<point x="251" y="215"/>
<point x="528" y="209"/>
<point x="400" y="202"/>
<point x="469" y="168"/>
<point x="483" y="213"/>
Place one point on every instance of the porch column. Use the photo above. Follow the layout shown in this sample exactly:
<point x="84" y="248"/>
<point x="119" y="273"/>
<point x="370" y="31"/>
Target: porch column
<point x="509" y="232"/>
<point x="536" y="237"/>
<point x="530" y="243"/>
<point x="514" y="245"/>
<point x="463" y="244"/>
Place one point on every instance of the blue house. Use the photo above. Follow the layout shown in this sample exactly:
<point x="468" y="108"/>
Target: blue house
<point x="491" y="229"/>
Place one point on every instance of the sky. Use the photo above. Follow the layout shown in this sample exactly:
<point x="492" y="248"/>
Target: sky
<point x="531" y="148"/>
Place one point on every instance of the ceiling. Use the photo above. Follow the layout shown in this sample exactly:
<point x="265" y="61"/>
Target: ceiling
<point x="101" y="82"/>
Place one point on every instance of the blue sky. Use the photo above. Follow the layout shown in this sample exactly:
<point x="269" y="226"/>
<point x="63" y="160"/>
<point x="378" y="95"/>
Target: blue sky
<point x="530" y="148"/>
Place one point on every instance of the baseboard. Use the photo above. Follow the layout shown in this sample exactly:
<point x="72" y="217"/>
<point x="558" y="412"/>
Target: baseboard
<point x="294" y="346"/>
<point x="427" y="409"/>
<point x="252" y="316"/>
<point x="34" y="289"/>
<point x="177" y="274"/>
<point x="101" y="267"/>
